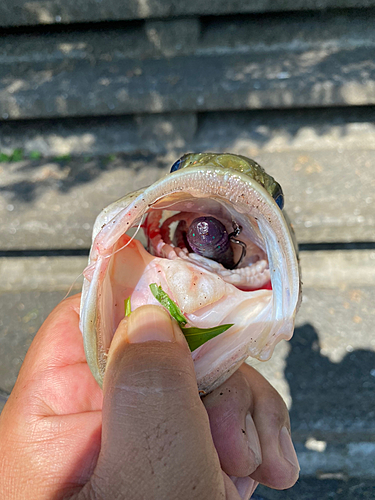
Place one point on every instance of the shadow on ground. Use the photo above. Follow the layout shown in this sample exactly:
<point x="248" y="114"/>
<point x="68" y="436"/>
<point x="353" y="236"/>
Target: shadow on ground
<point x="330" y="401"/>
<point x="329" y="398"/>
<point x="34" y="177"/>
<point x="316" y="489"/>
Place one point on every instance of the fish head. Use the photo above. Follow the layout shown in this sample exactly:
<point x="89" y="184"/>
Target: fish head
<point x="233" y="162"/>
<point x="217" y="242"/>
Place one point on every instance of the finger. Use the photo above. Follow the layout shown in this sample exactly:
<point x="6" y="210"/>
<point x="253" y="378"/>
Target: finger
<point x="279" y="468"/>
<point x="251" y="430"/>
<point x="231" y="492"/>
<point x="58" y="342"/>
<point x="54" y="378"/>
<point x="233" y="431"/>
<point x="153" y="419"/>
<point x="245" y="486"/>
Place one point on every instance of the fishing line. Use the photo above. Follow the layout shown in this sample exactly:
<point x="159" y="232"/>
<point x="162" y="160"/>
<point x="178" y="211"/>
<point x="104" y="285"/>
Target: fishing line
<point x="106" y="257"/>
<point x="74" y="282"/>
<point x="165" y="206"/>
<point x="131" y="239"/>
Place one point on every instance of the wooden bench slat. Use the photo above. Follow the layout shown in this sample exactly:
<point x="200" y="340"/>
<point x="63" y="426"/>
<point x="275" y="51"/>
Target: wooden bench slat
<point x="24" y="12"/>
<point x="294" y="32"/>
<point x="125" y="71"/>
<point x="205" y="83"/>
<point x="329" y="195"/>
<point x="251" y="132"/>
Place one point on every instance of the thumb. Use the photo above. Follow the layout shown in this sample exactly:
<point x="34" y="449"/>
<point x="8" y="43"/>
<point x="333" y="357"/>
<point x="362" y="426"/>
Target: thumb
<point x="156" y="440"/>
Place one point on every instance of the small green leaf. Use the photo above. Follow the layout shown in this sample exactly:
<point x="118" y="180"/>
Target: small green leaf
<point x="17" y="155"/>
<point x="4" y="157"/>
<point x="168" y="303"/>
<point x="195" y="337"/>
<point x="35" y="155"/>
<point x="128" y="308"/>
<point x="198" y="336"/>
<point x="109" y="159"/>
<point x="63" y="158"/>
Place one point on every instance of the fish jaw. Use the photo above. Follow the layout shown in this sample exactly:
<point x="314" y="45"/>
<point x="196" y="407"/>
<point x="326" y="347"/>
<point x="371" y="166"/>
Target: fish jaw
<point x="109" y="280"/>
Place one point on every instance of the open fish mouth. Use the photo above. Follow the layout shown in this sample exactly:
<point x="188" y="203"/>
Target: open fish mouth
<point x="218" y="244"/>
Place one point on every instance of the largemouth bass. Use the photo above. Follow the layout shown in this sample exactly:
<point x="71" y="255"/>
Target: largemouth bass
<point x="219" y="245"/>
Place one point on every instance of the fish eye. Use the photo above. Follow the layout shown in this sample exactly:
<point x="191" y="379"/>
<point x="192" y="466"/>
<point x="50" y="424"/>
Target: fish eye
<point x="181" y="162"/>
<point x="279" y="199"/>
<point x="176" y="165"/>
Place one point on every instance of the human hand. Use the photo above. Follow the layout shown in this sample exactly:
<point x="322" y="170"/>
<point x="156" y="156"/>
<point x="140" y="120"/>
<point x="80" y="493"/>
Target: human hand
<point x="153" y="438"/>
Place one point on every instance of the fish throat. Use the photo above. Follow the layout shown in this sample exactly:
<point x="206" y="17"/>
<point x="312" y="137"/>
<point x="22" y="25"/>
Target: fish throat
<point x="210" y="238"/>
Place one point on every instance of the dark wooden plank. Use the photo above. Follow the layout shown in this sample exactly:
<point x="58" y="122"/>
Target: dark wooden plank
<point x="233" y="65"/>
<point x="103" y="136"/>
<point x="249" y="132"/>
<point x="330" y="486"/>
<point x="206" y="83"/>
<point x="24" y="12"/>
<point x="170" y="37"/>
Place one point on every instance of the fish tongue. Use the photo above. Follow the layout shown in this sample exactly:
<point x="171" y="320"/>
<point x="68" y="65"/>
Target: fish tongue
<point x="190" y="286"/>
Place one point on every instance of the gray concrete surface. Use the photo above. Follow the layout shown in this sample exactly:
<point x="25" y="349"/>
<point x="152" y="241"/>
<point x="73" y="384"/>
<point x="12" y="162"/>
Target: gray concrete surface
<point x="24" y="12"/>
<point x="329" y="366"/>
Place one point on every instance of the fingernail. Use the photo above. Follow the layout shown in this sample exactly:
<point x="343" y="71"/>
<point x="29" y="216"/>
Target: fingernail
<point x="245" y="486"/>
<point x="255" y="485"/>
<point x="253" y="440"/>
<point x="287" y="448"/>
<point x="150" y="323"/>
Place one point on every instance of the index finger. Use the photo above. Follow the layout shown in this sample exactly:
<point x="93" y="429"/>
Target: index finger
<point x="58" y="342"/>
<point x="55" y="378"/>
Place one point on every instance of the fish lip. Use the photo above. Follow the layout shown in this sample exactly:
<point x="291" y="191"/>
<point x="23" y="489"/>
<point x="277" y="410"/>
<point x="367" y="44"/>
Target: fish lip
<point x="219" y="181"/>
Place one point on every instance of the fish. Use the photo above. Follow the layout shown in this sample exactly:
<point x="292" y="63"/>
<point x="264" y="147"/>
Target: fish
<point x="217" y="242"/>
